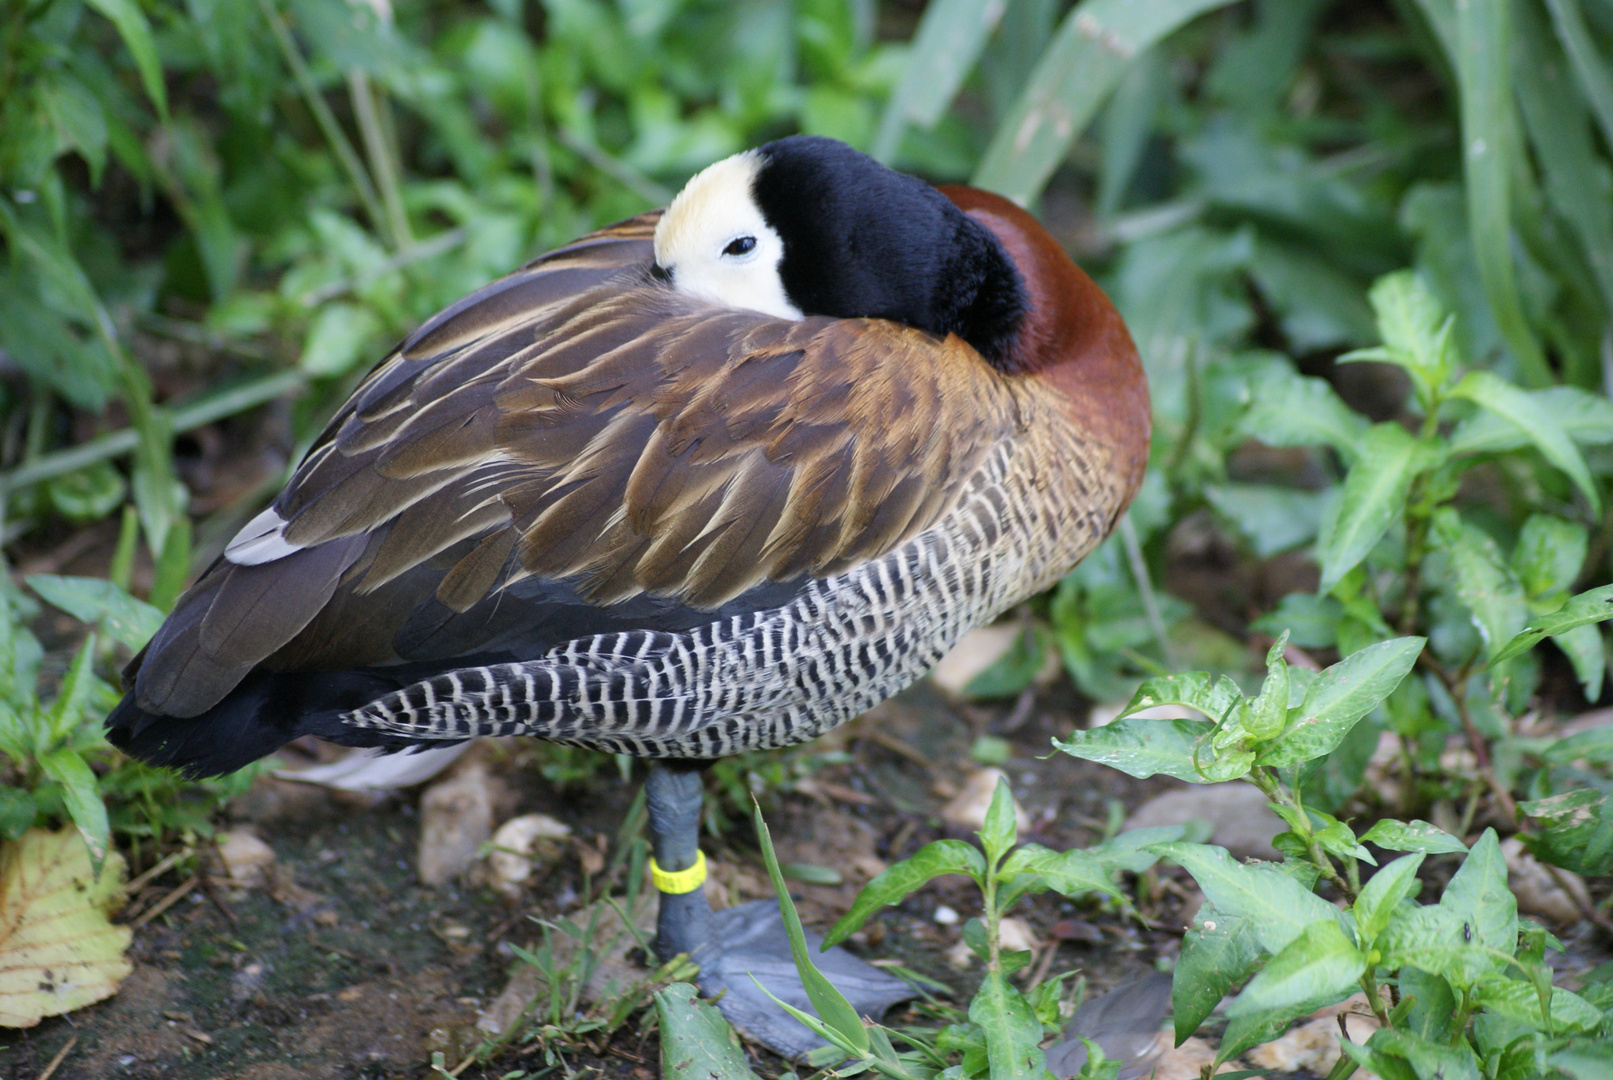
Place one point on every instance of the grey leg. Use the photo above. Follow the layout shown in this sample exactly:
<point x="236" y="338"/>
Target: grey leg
<point x="740" y="946"/>
<point x="684" y="923"/>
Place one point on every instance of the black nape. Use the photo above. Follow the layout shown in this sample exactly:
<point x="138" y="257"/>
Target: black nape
<point x="862" y="241"/>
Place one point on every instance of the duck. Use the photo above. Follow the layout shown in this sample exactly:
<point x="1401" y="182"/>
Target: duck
<point x="712" y="479"/>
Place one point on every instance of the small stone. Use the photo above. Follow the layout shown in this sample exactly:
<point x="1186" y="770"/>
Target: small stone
<point x="520" y="846"/>
<point x="1314" y="1044"/>
<point x="967" y="809"/>
<point x="1015" y="933"/>
<point x="946" y="916"/>
<point x="1238" y="815"/>
<point x="246" y="858"/>
<point x="456" y="818"/>
<point x="960" y="956"/>
<point x="1187" y="1062"/>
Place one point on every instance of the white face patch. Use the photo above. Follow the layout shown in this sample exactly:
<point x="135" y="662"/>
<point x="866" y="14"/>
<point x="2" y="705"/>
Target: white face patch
<point x="718" y="247"/>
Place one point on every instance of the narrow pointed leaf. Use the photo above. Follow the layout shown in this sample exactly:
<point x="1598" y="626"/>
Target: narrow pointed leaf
<point x="1588" y="607"/>
<point x="1374" y="495"/>
<point x="1536" y="421"/>
<point x="899" y="880"/>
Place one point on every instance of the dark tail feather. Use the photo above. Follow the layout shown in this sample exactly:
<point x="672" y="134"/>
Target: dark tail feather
<point x="262" y="714"/>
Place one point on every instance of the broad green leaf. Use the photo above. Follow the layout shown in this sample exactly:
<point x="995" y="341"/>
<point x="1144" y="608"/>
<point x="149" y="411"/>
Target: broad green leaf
<point x="1494" y="393"/>
<point x="944" y="49"/>
<point x="1576" y="830"/>
<point x="1387" y="459"/>
<point x="1212" y="695"/>
<point x="1457" y="938"/>
<point x="1588" y="607"/>
<point x="136" y="33"/>
<point x="1319" y="967"/>
<point x="1302" y="411"/>
<point x="1412" y="836"/>
<point x="833" y="1009"/>
<point x="696" y="1042"/>
<point x="1310" y="621"/>
<point x="899" y="880"/>
<point x="1069" y="873"/>
<point x="83" y="798"/>
<point x="1339" y="697"/>
<point x="1584" y="417"/>
<point x="58" y="951"/>
<point x="1131" y="850"/>
<point x="1427" y="1059"/>
<point x="1219" y="951"/>
<point x="1278" y="906"/>
<point x="1548" y="554"/>
<point x="1142" y="748"/>
<point x="1490" y="156"/>
<point x="17" y="812"/>
<point x="1595" y="744"/>
<point x="1415" y="330"/>
<point x="1518" y="1000"/>
<point x="1479" y="893"/>
<point x="1585" y="1060"/>
<point x="1013" y="1034"/>
<point x="1272" y="519"/>
<point x="1585" y="651"/>
<point x="1092" y="49"/>
<point x="337" y="339"/>
<point x="93" y="600"/>
<point x="1484" y="582"/>
<point x="1380" y="896"/>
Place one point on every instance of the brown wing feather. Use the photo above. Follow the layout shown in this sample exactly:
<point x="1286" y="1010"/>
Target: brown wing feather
<point x="615" y="437"/>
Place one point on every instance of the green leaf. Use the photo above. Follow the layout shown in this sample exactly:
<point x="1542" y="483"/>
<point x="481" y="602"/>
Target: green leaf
<point x="833" y="1009"/>
<point x="1588" y="607"/>
<point x="1279" y="907"/>
<point x="17" y="812"/>
<point x="136" y="33"/>
<point x="1590" y="1060"/>
<point x="1536" y="422"/>
<point x="1380" y="896"/>
<point x="338" y="337"/>
<point x="96" y="601"/>
<point x="1374" y="496"/>
<point x="1009" y="674"/>
<point x="1479" y="893"/>
<point x="696" y="1042"/>
<point x="1548" y="554"/>
<point x="1219" y="951"/>
<point x="1086" y="58"/>
<point x="1415" y="330"/>
<point x="83" y="798"/>
<point x="944" y="49"/>
<point x="1302" y="411"/>
<point x="1271" y="519"/>
<point x="1412" y="836"/>
<point x="67" y="710"/>
<point x="1319" y="967"/>
<point x="1213" y="695"/>
<point x="1457" y="938"/>
<point x="899" y="880"/>
<point x="1269" y="710"/>
<point x="1013" y="1033"/>
<point x="1590" y="66"/>
<point x="1069" y="873"/>
<point x="1427" y="1059"/>
<point x="1142" y="748"/>
<point x="1311" y="621"/>
<point x="1584" y="417"/>
<point x="1490" y="155"/>
<point x="1595" y="744"/>
<point x="1519" y="1001"/>
<point x="1575" y="830"/>
<point x="1339" y="697"/>
<point x="1484" y="583"/>
<point x="999" y="832"/>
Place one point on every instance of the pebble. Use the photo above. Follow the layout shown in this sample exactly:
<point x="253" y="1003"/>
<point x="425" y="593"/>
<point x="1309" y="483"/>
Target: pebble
<point x="946" y="916"/>
<point x="520" y="846"/>
<point x="966" y="811"/>
<point x="456" y="818"/>
<point x="246" y="858"/>
<point x="1237" y="812"/>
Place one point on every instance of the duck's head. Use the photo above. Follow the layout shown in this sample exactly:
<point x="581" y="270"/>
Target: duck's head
<point x="809" y="226"/>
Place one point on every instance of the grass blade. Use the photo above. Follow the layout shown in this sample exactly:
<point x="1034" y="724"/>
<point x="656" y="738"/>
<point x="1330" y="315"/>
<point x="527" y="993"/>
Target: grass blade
<point x="1590" y="66"/>
<point x="836" y="1012"/>
<point x="1489" y="155"/>
<point x="948" y="42"/>
<point x="1091" y="51"/>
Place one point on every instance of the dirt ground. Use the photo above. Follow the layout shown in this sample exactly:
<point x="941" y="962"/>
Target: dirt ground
<point x="345" y="966"/>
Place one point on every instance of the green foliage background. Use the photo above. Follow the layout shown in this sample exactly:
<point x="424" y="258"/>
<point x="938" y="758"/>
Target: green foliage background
<point x="274" y="190"/>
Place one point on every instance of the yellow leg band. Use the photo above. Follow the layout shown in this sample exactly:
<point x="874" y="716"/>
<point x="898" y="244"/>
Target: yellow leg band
<point x="680" y="881"/>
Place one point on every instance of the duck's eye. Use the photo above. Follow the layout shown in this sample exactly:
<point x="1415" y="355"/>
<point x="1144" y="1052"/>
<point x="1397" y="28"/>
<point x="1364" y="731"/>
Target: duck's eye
<point x="743" y="246"/>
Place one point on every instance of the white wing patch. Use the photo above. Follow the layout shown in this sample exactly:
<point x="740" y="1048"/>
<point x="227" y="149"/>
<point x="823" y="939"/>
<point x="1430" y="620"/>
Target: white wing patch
<point x="261" y="540"/>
